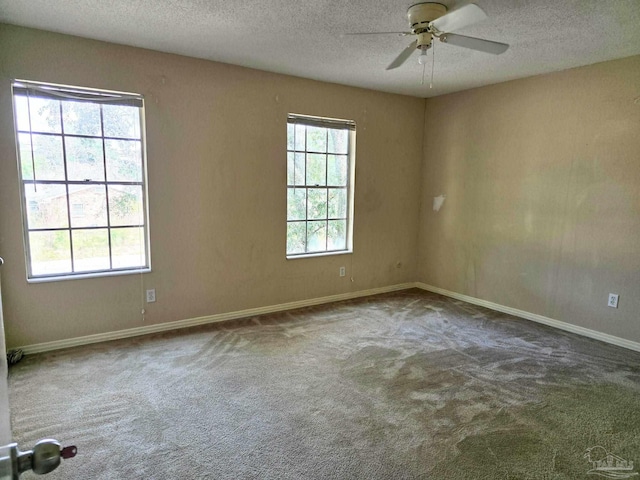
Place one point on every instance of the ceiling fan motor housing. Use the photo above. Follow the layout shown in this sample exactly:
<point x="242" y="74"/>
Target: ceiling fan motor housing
<point x="421" y="14"/>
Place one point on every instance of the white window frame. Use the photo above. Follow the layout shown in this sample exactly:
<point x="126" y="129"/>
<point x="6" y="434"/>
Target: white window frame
<point x="328" y="123"/>
<point x="102" y="97"/>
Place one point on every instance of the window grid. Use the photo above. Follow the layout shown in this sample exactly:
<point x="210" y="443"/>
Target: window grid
<point x="26" y="183"/>
<point x="66" y="177"/>
<point x="328" y="188"/>
<point x="106" y="188"/>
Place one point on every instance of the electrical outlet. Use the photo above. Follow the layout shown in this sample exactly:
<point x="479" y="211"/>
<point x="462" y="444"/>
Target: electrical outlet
<point x="151" y="295"/>
<point x="343" y="271"/>
<point x="613" y="300"/>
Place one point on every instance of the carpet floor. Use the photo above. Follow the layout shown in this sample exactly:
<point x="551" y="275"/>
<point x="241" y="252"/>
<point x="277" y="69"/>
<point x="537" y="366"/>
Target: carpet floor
<point x="407" y="385"/>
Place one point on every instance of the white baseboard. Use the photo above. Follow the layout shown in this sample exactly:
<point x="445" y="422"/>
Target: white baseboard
<point x="221" y="317"/>
<point x="191" y="322"/>
<point x="604" y="337"/>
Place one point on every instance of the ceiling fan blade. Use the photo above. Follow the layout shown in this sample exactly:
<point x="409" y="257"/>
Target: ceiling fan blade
<point x="402" y="34"/>
<point x="473" y="43"/>
<point x="404" y="55"/>
<point x="459" y="18"/>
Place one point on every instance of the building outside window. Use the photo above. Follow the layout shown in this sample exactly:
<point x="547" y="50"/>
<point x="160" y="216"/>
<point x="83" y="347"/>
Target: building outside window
<point x="83" y="180"/>
<point x="320" y="180"/>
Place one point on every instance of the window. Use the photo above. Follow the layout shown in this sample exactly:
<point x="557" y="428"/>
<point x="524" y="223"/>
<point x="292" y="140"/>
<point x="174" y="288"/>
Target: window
<point x="77" y="209"/>
<point x="320" y="171"/>
<point x="82" y="174"/>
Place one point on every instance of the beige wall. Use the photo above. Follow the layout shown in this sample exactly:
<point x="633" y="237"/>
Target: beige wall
<point x="541" y="177"/>
<point x="217" y="172"/>
<point x="542" y="185"/>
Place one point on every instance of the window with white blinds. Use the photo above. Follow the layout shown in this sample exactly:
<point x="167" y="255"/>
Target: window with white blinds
<point x="320" y="179"/>
<point x="83" y="180"/>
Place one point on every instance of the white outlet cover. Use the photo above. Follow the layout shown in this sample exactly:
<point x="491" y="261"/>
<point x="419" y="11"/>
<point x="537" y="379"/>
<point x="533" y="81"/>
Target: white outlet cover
<point x="613" y="300"/>
<point x="151" y="295"/>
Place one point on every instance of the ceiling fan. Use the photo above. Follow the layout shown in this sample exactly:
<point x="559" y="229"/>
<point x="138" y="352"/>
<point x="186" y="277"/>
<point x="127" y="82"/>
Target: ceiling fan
<point x="430" y="20"/>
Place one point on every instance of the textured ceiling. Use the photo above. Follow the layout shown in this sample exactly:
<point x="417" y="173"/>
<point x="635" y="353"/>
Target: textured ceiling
<point x="303" y="37"/>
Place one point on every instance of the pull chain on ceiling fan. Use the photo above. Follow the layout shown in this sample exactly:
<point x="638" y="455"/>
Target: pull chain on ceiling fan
<point x="422" y="60"/>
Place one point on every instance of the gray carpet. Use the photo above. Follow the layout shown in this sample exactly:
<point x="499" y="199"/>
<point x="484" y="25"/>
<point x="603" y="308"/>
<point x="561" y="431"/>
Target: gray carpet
<point x="399" y="386"/>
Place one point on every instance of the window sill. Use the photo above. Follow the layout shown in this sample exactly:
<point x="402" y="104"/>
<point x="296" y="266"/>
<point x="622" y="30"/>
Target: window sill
<point x="319" y="254"/>
<point x="81" y="276"/>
